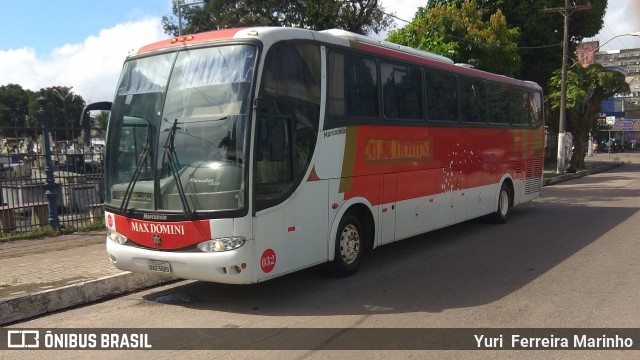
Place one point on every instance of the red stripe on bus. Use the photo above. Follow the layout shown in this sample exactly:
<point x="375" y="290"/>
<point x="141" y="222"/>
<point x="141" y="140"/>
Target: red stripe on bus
<point x="426" y="161"/>
<point x="163" y="235"/>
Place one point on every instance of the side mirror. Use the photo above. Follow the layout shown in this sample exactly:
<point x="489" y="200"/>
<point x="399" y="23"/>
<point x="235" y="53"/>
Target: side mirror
<point x="103" y="105"/>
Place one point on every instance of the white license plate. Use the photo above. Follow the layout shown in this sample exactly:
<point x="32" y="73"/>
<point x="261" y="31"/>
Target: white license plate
<point x="160" y="266"/>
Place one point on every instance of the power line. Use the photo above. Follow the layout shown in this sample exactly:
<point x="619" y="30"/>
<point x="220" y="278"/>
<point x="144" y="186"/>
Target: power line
<point x="397" y="18"/>
<point x="539" y="47"/>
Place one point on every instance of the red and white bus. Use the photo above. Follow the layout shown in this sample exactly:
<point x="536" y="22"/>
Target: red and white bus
<point x="240" y="155"/>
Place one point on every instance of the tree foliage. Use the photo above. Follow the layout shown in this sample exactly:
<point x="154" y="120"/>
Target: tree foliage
<point x="14" y="106"/>
<point x="359" y="16"/>
<point x="586" y="89"/>
<point x="63" y="112"/>
<point x="540" y="42"/>
<point x="19" y="111"/>
<point x="100" y="122"/>
<point x="465" y="34"/>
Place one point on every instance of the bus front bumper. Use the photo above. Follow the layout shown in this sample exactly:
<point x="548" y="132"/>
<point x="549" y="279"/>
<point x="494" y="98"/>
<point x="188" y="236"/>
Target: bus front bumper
<point x="229" y="267"/>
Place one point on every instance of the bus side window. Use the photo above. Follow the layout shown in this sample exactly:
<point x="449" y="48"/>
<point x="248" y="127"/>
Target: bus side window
<point x="353" y="87"/>
<point x="472" y="100"/>
<point x="498" y="104"/>
<point x="401" y="91"/>
<point x="442" y="96"/>
<point x="519" y="106"/>
<point x="535" y="108"/>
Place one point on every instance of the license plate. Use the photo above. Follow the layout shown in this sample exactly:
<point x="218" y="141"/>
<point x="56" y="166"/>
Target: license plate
<point x="160" y="266"/>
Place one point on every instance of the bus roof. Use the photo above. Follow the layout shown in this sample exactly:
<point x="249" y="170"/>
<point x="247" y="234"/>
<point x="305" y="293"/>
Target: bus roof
<point x="387" y="45"/>
<point x="271" y="35"/>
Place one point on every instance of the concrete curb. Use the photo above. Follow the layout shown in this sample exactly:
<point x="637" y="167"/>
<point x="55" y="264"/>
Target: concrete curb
<point x="579" y="174"/>
<point x="24" y="307"/>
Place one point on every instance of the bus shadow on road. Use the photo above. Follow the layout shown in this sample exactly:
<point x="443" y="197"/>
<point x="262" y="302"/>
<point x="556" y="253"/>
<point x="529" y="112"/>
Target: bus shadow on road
<point x="465" y="265"/>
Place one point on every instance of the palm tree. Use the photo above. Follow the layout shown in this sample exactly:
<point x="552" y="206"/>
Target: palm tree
<point x="100" y="124"/>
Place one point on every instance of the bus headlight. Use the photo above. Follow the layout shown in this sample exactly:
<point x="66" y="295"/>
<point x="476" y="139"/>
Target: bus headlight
<point x="222" y="244"/>
<point x="116" y="237"/>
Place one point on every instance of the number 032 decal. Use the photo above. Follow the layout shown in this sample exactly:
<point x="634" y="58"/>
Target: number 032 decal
<point x="268" y="260"/>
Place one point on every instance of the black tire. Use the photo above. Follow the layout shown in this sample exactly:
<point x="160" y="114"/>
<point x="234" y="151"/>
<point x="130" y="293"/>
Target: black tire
<point x="505" y="203"/>
<point x="349" y="248"/>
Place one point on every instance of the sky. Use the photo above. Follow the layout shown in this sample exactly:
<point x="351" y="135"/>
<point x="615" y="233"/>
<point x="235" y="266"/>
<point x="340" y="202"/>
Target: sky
<point x="83" y="44"/>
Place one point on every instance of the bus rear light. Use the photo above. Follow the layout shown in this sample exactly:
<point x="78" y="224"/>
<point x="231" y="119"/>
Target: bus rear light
<point x="116" y="237"/>
<point x="222" y="244"/>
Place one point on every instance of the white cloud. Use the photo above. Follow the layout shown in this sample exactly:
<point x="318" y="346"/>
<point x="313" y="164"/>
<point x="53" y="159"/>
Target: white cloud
<point x="404" y="10"/>
<point x="92" y="68"/>
<point x="622" y="17"/>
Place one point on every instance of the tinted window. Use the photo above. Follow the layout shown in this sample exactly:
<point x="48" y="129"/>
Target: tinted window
<point x="353" y="88"/>
<point x="401" y="91"/>
<point x="535" y="108"/>
<point x="472" y="100"/>
<point x="518" y="106"/>
<point x="442" y="96"/>
<point x="497" y="103"/>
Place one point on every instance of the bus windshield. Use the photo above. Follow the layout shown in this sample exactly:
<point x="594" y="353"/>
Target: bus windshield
<point x="189" y="109"/>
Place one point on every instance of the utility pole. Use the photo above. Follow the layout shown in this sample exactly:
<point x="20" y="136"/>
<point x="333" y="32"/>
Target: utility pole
<point x="566" y="12"/>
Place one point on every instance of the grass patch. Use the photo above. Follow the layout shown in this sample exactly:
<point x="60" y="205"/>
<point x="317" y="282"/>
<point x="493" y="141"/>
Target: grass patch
<point x="11" y="282"/>
<point x="48" y="231"/>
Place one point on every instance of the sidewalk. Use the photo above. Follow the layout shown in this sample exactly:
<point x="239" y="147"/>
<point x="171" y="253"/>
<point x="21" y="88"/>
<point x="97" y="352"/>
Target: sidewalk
<point x="594" y="164"/>
<point x="44" y="275"/>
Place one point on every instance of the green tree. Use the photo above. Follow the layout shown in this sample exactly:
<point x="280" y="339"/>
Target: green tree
<point x="359" y="16"/>
<point x="540" y="42"/>
<point x="100" y="124"/>
<point x="19" y="111"/>
<point x="586" y="89"/>
<point x="63" y="112"/>
<point x="464" y="35"/>
<point x="14" y="107"/>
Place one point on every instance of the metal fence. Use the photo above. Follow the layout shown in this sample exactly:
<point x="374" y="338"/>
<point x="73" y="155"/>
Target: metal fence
<point x="78" y="189"/>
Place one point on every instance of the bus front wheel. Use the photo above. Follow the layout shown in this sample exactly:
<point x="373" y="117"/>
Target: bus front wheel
<point x="349" y="247"/>
<point x="505" y="203"/>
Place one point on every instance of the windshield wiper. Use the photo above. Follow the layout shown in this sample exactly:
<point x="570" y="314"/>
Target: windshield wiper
<point x="136" y="173"/>
<point x="170" y="151"/>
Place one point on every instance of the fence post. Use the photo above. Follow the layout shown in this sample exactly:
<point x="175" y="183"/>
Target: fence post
<point x="50" y="193"/>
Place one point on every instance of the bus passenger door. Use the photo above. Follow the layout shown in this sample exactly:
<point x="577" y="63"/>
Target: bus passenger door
<point x="291" y="210"/>
<point x="388" y="209"/>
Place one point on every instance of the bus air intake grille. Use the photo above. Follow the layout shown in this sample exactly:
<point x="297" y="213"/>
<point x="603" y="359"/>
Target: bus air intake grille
<point x="533" y="183"/>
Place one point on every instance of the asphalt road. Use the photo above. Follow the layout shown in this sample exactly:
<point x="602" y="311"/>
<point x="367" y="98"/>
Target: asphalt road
<point x="567" y="260"/>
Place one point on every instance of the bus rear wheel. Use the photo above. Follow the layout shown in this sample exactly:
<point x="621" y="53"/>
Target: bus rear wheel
<point x="349" y="247"/>
<point x="505" y="203"/>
